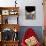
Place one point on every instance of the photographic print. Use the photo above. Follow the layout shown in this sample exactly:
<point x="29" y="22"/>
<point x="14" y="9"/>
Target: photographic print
<point x="30" y="12"/>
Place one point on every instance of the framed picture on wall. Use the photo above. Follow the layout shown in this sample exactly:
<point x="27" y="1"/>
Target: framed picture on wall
<point x="30" y="12"/>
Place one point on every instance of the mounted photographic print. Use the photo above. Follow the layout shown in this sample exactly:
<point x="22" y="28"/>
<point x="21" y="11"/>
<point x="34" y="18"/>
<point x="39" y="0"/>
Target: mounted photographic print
<point x="30" y="12"/>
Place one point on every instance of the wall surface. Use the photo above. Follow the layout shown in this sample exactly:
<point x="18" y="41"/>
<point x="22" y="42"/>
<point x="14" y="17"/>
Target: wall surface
<point x="39" y="13"/>
<point x="22" y="21"/>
